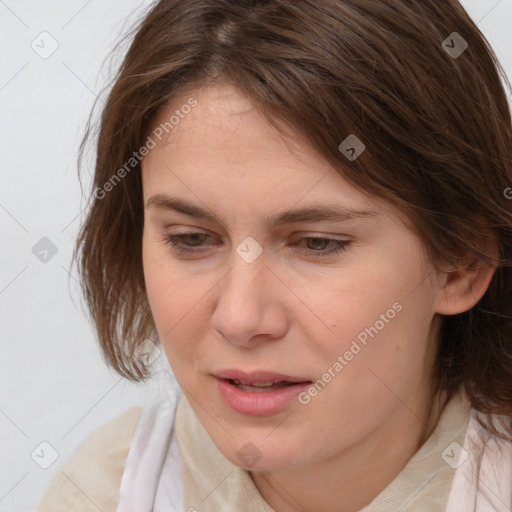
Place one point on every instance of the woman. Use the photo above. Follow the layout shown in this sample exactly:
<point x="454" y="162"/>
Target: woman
<point x="305" y="204"/>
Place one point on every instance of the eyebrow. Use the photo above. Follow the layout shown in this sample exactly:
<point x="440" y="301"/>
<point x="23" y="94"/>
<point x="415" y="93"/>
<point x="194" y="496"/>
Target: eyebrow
<point x="313" y="213"/>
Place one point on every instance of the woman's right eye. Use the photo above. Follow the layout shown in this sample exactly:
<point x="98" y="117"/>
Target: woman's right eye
<point x="176" y="242"/>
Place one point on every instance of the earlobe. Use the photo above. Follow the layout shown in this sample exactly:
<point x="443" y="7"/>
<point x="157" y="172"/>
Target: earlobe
<point x="464" y="286"/>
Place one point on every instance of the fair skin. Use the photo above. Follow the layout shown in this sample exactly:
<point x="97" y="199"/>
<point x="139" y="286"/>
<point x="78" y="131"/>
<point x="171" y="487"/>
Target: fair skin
<point x="293" y="310"/>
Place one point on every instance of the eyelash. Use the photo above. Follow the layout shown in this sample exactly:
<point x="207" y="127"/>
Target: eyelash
<point x="173" y="241"/>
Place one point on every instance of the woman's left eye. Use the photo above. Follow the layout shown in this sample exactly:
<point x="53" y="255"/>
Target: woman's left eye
<point x="324" y="246"/>
<point x="334" y="246"/>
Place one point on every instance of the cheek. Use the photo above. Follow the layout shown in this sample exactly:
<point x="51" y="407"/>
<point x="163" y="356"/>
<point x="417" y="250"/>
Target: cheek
<point x="343" y="308"/>
<point x="167" y="292"/>
<point x="379" y="319"/>
<point x="178" y="304"/>
<point x="168" y="306"/>
<point x="387" y="356"/>
<point x="157" y="278"/>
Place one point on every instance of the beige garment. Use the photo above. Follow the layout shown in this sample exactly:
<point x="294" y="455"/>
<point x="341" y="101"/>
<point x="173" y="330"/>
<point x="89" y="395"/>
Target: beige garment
<point x="425" y="483"/>
<point x="211" y="483"/>
<point x="90" y="479"/>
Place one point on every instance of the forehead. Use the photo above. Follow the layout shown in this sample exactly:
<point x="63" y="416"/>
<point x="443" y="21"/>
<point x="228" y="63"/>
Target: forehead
<point x="224" y="148"/>
<point x="227" y="123"/>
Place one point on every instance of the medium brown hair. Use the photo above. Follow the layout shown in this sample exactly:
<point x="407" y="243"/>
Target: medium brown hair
<point x="436" y="126"/>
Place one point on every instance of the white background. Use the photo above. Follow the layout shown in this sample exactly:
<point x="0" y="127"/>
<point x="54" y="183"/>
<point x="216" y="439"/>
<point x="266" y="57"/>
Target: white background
<point x="54" y="386"/>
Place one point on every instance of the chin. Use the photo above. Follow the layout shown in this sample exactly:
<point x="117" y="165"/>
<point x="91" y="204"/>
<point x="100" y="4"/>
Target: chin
<point x="264" y="456"/>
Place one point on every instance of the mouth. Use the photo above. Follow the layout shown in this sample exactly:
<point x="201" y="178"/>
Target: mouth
<point x="258" y="378"/>
<point x="258" y="393"/>
<point x="258" y="387"/>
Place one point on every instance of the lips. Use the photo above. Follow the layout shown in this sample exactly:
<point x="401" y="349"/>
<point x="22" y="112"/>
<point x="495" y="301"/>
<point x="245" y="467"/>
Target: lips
<point x="258" y="378"/>
<point x="258" y="393"/>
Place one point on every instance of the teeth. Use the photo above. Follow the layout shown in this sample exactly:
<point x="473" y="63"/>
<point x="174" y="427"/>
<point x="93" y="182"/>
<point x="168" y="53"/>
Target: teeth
<point x="260" y="386"/>
<point x="257" y="384"/>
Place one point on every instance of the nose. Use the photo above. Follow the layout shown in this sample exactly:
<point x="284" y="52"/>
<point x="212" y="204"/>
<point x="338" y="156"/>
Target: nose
<point x="250" y="304"/>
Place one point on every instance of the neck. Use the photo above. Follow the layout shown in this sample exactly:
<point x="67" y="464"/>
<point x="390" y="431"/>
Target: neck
<point x="352" y="478"/>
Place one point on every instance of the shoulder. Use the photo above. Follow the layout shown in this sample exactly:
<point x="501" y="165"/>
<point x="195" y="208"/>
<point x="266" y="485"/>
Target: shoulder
<point x="91" y="476"/>
<point x="483" y="477"/>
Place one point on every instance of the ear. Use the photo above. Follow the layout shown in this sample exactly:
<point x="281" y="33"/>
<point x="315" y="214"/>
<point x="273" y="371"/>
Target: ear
<point x="462" y="286"/>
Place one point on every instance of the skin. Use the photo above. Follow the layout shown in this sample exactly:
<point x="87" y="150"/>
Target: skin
<point x="291" y="311"/>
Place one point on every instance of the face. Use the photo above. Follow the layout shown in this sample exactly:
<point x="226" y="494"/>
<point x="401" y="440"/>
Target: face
<point x="344" y="306"/>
